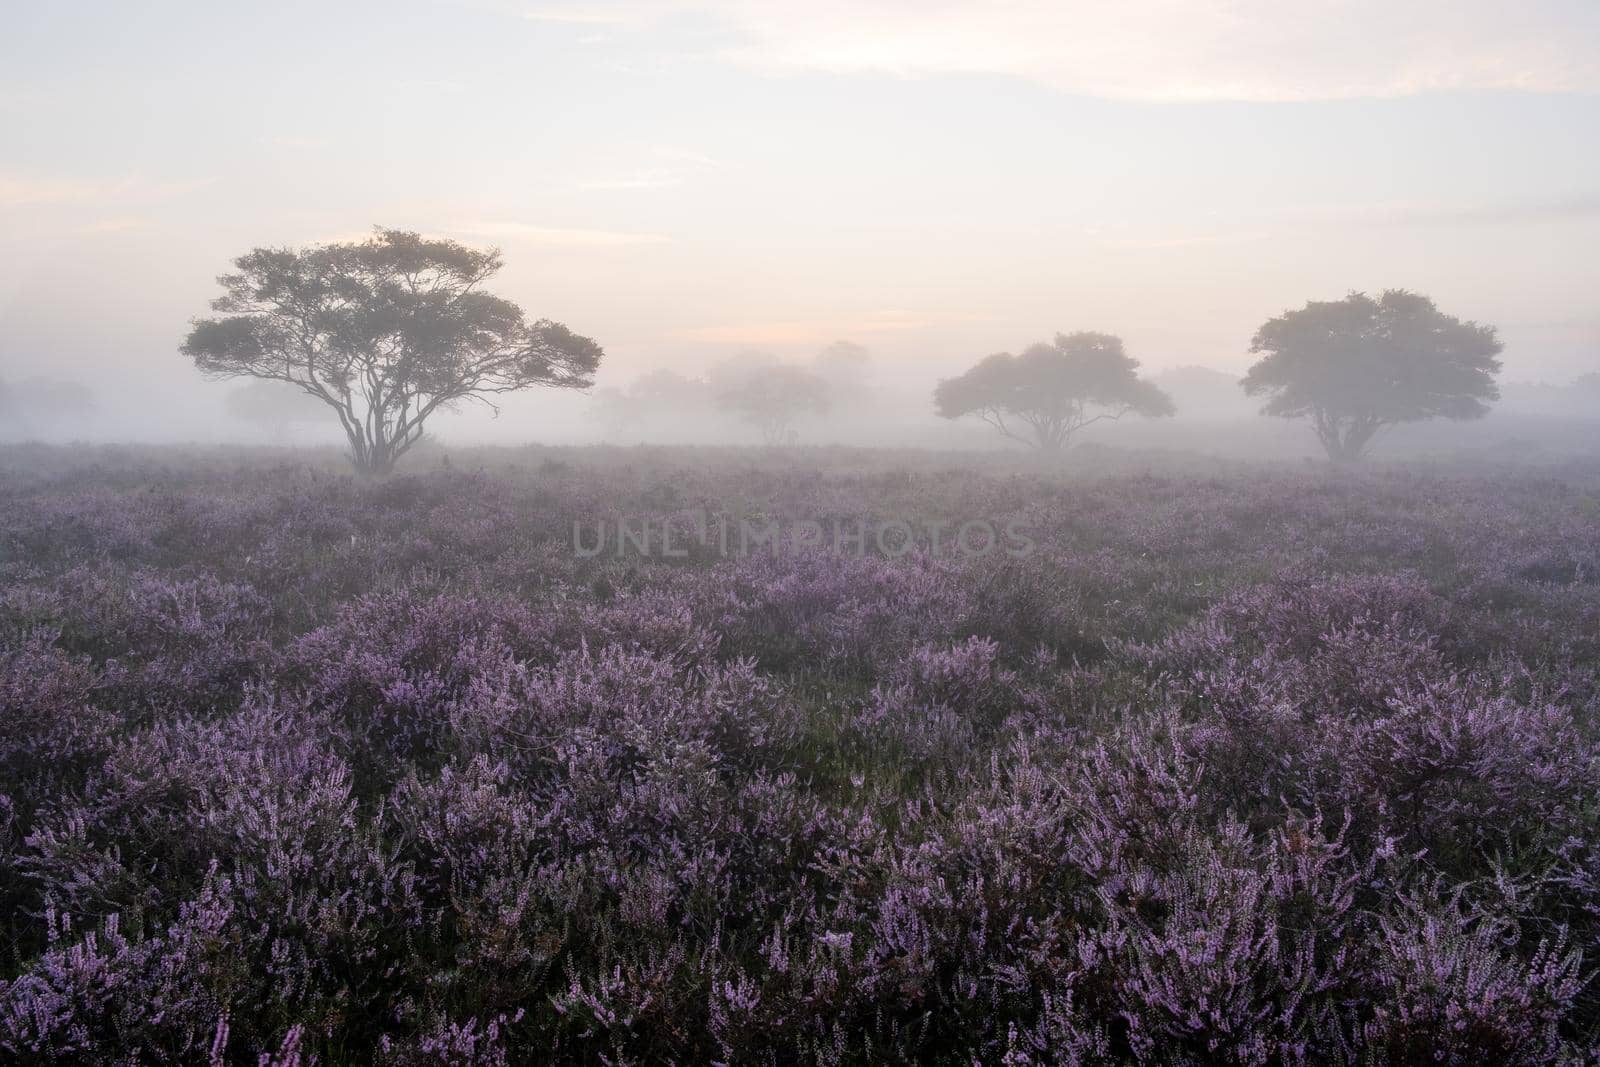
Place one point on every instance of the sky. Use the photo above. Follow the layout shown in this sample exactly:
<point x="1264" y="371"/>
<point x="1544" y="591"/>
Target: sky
<point x="685" y="180"/>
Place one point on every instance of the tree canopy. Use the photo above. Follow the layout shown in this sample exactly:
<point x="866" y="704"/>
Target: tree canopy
<point x="844" y="362"/>
<point x="1358" y="365"/>
<point x="385" y="332"/>
<point x="1052" y="390"/>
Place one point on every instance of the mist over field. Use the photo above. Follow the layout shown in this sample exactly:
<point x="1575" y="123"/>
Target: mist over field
<point x="736" y="532"/>
<point x="692" y="182"/>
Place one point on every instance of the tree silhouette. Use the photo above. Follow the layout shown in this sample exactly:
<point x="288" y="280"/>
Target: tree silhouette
<point x="1358" y="365"/>
<point x="385" y="332"/>
<point x="842" y="362"/>
<point x="1051" y="391"/>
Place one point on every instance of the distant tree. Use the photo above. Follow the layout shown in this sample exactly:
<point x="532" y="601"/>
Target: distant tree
<point x="842" y="361"/>
<point x="1587" y="386"/>
<point x="1051" y="391"/>
<point x="770" y="396"/>
<point x="666" y="392"/>
<point x="273" y="405"/>
<point x="613" y="409"/>
<point x="385" y="332"/>
<point x="1358" y="365"/>
<point x="650" y="399"/>
<point x="1201" y="393"/>
<point x="846" y="367"/>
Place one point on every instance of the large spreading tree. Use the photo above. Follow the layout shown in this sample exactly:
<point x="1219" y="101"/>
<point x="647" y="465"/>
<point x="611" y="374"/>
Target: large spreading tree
<point x="1358" y="365"/>
<point x="385" y="332"/>
<point x="1052" y="390"/>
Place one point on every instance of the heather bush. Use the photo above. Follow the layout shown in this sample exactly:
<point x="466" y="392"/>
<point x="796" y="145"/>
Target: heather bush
<point x="1273" y="768"/>
<point x="53" y="732"/>
<point x="1447" y="990"/>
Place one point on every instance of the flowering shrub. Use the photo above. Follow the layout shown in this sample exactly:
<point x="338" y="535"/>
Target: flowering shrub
<point x="1267" y="769"/>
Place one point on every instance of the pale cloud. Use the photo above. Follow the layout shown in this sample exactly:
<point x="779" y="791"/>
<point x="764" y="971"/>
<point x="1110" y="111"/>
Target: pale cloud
<point x="655" y="169"/>
<point x="1254" y="50"/>
<point x="1172" y="242"/>
<point x="791" y="332"/>
<point x="1248" y="228"/>
<point x="21" y="189"/>
<point x="579" y="17"/>
<point x="527" y="233"/>
<point x="295" y="143"/>
<point x="17" y="190"/>
<point x="18" y="99"/>
<point x="639" y="179"/>
<point x="108" y="227"/>
<point x="1562" y="209"/>
<point x="432" y="86"/>
<point x="1321" y="219"/>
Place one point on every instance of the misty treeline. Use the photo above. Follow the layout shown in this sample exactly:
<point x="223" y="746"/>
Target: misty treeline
<point x="1353" y="368"/>
<point x="378" y="336"/>
<point x="755" y="389"/>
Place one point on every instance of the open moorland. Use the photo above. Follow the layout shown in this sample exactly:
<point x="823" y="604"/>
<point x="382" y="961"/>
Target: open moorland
<point x="1254" y="766"/>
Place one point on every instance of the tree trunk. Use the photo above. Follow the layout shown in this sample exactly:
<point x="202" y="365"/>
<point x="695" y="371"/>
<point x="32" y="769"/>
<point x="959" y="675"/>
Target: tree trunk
<point x="1359" y="436"/>
<point x="371" y="459"/>
<point x="1345" y="442"/>
<point x="1342" y="455"/>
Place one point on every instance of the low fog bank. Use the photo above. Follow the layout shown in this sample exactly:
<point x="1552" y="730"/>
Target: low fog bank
<point x="849" y="400"/>
<point x="1214" y="417"/>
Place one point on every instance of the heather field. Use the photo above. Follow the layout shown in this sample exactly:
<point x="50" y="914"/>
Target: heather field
<point x="1249" y="766"/>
